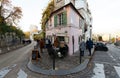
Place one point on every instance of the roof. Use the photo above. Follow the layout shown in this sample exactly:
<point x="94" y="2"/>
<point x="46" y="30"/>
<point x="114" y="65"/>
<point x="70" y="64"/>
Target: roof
<point x="71" y="5"/>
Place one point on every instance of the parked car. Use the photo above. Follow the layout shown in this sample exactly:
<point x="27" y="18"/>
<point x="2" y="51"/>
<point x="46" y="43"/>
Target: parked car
<point x="24" y="41"/>
<point x="99" y="46"/>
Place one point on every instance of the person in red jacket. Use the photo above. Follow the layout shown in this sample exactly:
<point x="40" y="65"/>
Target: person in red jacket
<point x="41" y="45"/>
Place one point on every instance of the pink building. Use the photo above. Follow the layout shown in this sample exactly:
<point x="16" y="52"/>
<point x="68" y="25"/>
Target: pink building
<point x="67" y="24"/>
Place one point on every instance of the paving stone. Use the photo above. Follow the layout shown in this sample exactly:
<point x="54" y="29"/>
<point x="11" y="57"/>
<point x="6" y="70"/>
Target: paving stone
<point x="67" y="65"/>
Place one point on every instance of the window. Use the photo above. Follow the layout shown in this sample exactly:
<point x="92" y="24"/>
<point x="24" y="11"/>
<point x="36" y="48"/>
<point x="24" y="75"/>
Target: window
<point x="58" y="0"/>
<point x="85" y="27"/>
<point x="81" y="23"/>
<point x="60" y="19"/>
<point x="61" y="38"/>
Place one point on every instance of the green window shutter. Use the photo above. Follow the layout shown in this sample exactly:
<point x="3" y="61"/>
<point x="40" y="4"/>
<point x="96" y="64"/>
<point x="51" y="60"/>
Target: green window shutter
<point x="55" y="20"/>
<point x="64" y="19"/>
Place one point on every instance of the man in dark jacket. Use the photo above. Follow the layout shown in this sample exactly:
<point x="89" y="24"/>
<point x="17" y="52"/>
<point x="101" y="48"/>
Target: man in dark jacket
<point x="63" y="48"/>
<point x="89" y="44"/>
<point x="47" y="42"/>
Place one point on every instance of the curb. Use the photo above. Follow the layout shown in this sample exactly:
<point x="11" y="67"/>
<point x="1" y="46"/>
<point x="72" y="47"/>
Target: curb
<point x="79" y="68"/>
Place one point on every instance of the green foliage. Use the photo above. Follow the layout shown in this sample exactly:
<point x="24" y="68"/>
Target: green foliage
<point x="38" y="36"/>
<point x="100" y="38"/>
<point x="27" y="35"/>
<point x="4" y="28"/>
<point x="9" y="15"/>
<point x="46" y="14"/>
<point x="112" y="40"/>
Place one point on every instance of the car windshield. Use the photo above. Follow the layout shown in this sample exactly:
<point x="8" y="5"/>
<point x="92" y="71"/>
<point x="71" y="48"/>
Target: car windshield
<point x="100" y="44"/>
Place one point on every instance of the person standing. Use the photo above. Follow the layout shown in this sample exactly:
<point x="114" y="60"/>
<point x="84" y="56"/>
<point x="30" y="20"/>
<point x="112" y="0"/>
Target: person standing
<point x="41" y="45"/>
<point x="82" y="47"/>
<point x="47" y="42"/>
<point x="56" y="42"/>
<point x="89" y="44"/>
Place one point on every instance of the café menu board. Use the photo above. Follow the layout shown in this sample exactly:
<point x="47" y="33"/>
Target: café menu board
<point x="34" y="54"/>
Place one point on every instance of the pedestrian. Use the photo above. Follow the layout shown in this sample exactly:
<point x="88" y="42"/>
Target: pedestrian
<point x="37" y="43"/>
<point x="89" y="44"/>
<point x="63" y="48"/>
<point x="47" y="42"/>
<point x="82" y="47"/>
<point x="41" y="45"/>
<point x="56" y="43"/>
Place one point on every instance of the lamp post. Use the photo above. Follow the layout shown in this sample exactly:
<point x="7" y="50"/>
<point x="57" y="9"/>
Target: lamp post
<point x="90" y="32"/>
<point x="53" y="60"/>
<point x="80" y="37"/>
<point x="54" y="54"/>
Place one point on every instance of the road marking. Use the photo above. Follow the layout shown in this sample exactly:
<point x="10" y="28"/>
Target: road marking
<point x="106" y="63"/>
<point x="98" y="71"/>
<point x="6" y="70"/>
<point x="0" y="51"/>
<point x="3" y="72"/>
<point x="117" y="70"/>
<point x="22" y="74"/>
<point x="111" y="56"/>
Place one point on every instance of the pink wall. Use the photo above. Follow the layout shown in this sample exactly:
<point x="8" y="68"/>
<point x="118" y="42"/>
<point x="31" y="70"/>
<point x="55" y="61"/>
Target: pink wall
<point x="72" y="28"/>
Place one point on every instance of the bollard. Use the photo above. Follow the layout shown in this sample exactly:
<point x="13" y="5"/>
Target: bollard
<point x="54" y="62"/>
<point x="80" y="57"/>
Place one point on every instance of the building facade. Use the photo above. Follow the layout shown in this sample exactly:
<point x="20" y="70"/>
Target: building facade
<point x="67" y="23"/>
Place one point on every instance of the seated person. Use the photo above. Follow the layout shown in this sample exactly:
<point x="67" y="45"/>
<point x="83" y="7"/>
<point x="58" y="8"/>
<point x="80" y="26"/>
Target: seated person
<point x="63" y="48"/>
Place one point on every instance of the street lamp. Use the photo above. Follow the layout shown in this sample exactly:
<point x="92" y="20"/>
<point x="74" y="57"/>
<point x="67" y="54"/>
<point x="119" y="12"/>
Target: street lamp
<point x="90" y="32"/>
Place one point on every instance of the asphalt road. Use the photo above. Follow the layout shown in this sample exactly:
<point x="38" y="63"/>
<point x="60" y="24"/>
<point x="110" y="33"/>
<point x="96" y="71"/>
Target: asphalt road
<point x="15" y="62"/>
<point x="103" y="65"/>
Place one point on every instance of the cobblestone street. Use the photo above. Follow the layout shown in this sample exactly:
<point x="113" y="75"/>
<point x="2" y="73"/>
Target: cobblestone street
<point x="60" y="63"/>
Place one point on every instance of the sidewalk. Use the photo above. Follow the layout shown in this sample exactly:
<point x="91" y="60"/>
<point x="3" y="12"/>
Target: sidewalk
<point x="67" y="65"/>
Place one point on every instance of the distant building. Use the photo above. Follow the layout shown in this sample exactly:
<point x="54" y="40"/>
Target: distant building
<point x="118" y="39"/>
<point x="33" y="30"/>
<point x="70" y="23"/>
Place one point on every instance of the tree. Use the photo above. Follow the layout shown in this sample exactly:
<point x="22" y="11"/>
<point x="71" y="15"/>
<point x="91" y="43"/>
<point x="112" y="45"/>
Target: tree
<point x="100" y="38"/>
<point x="8" y="13"/>
<point x="16" y="30"/>
<point x="27" y="35"/>
<point x="112" y="40"/>
<point x="46" y="14"/>
<point x="4" y="28"/>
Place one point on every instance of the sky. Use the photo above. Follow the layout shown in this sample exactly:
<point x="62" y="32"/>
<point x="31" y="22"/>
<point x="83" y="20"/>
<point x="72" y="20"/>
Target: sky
<point x="32" y="12"/>
<point x="106" y="18"/>
<point x="105" y="14"/>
